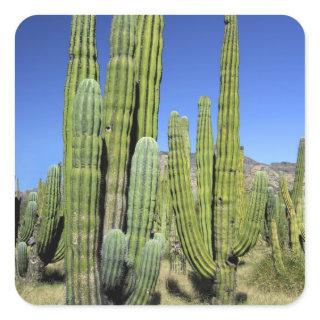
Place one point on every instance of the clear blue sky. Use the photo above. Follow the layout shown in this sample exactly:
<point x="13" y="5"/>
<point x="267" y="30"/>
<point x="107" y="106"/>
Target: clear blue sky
<point x="271" y="84"/>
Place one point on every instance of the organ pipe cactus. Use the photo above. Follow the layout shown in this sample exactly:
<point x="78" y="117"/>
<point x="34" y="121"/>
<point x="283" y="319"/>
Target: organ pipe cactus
<point x="82" y="278"/>
<point x="227" y="244"/>
<point x="60" y="248"/>
<point x="119" y="104"/>
<point x="22" y="259"/>
<point x="17" y="209"/>
<point x="148" y="72"/>
<point x="50" y="221"/>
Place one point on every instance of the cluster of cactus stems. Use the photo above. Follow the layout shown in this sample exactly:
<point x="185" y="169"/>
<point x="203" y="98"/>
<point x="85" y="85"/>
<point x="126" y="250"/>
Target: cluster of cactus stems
<point x="213" y="244"/>
<point x="111" y="171"/>
<point x="98" y="154"/>
<point x="131" y="262"/>
<point x="285" y="220"/>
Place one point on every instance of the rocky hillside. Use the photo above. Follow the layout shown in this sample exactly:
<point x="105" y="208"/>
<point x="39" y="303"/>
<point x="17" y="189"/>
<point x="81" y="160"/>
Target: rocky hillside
<point x="251" y="166"/>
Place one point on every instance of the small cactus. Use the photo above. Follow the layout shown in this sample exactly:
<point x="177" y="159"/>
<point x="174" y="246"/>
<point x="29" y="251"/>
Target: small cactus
<point x="22" y="259"/>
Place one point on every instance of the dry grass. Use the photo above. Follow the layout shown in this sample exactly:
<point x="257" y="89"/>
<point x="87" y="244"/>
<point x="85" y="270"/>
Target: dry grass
<point x="257" y="284"/>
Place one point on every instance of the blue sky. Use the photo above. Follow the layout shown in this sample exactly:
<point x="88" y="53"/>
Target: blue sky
<point x="271" y="84"/>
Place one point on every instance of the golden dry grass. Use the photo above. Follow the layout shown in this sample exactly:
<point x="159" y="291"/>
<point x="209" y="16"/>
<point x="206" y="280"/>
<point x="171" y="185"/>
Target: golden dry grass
<point x="179" y="289"/>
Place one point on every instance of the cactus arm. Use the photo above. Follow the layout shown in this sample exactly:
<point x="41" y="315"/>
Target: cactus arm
<point x="148" y="71"/>
<point x="119" y="106"/>
<point x="147" y="274"/>
<point x="113" y="256"/>
<point x="50" y="218"/>
<point x="204" y="162"/>
<point x="28" y="222"/>
<point x="293" y="219"/>
<point x="142" y="194"/>
<point x="251" y="227"/>
<point x="183" y="203"/>
<point x="82" y="279"/>
<point x="60" y="248"/>
<point x="22" y="259"/>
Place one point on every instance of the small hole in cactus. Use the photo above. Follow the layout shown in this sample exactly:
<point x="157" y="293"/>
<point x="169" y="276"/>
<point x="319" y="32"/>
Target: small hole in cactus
<point x="108" y="129"/>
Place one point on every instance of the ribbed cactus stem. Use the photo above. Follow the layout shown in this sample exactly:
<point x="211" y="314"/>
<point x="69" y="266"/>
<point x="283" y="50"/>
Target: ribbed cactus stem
<point x="33" y="196"/>
<point x="22" y="259"/>
<point x="148" y="72"/>
<point x="28" y="222"/>
<point x="252" y="222"/>
<point x="272" y="212"/>
<point x="227" y="160"/>
<point x="113" y="257"/>
<point x="142" y="195"/>
<point x="276" y="249"/>
<point x="82" y="65"/>
<point x="184" y="125"/>
<point x="293" y="219"/>
<point x="60" y="248"/>
<point x="119" y="105"/>
<point x="147" y="274"/>
<point x="183" y="203"/>
<point x="204" y="162"/>
<point x="49" y="224"/>
<point x="82" y="232"/>
<point x="298" y="185"/>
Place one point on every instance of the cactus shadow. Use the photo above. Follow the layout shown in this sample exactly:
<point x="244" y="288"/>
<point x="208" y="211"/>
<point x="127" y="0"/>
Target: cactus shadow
<point x="175" y="290"/>
<point x="53" y="276"/>
<point x="155" y="298"/>
<point x="202" y="287"/>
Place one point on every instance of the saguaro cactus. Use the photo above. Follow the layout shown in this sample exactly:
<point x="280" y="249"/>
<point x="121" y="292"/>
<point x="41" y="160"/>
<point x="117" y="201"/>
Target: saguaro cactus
<point x="82" y="278"/>
<point x="148" y="72"/>
<point x="119" y="103"/>
<point x="50" y="217"/>
<point x="229" y="242"/>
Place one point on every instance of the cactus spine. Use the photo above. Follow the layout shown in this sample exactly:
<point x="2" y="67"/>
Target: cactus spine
<point x="22" y="259"/>
<point x="119" y="106"/>
<point x="82" y="278"/>
<point x="48" y="229"/>
<point x="148" y="72"/>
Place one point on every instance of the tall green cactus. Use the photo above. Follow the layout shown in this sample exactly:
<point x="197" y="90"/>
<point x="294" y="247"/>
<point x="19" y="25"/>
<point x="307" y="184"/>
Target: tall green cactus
<point x="148" y="73"/>
<point x="17" y="209"/>
<point x="22" y="259"/>
<point x="50" y="218"/>
<point x="28" y="222"/>
<point x="119" y="105"/>
<point x="82" y="65"/>
<point x="229" y="242"/>
<point x="82" y="231"/>
<point x="204" y="161"/>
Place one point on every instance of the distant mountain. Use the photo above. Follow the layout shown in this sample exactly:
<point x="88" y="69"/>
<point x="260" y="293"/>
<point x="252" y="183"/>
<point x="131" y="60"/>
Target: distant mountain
<point x="250" y="166"/>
